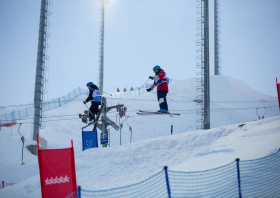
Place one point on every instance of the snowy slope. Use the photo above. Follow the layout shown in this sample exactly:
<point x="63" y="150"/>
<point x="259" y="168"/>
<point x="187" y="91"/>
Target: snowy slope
<point x="130" y="163"/>
<point x="190" y="151"/>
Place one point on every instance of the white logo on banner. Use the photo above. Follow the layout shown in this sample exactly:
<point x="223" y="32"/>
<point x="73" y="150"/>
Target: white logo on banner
<point x="89" y="142"/>
<point x="57" y="180"/>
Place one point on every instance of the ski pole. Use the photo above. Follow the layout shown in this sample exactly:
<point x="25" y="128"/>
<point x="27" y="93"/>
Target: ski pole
<point x="90" y="111"/>
<point x="144" y="84"/>
<point x="107" y="93"/>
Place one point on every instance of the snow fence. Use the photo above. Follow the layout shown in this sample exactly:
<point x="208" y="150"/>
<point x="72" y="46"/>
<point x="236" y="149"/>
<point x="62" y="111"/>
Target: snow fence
<point x="249" y="178"/>
<point x="51" y="104"/>
<point x="58" y="102"/>
<point x="5" y="184"/>
<point x="20" y="114"/>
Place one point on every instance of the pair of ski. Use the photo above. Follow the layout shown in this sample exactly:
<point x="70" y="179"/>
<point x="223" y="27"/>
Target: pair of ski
<point x="97" y="118"/>
<point x="155" y="113"/>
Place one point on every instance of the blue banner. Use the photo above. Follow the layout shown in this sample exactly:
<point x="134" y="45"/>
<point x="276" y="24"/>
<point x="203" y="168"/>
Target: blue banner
<point x="90" y="139"/>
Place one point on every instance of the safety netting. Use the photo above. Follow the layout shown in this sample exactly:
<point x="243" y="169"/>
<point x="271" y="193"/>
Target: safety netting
<point x="249" y="178"/>
<point x="261" y="177"/>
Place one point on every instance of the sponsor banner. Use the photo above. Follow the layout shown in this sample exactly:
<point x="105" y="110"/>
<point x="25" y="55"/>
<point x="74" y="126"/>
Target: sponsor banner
<point x="57" y="171"/>
<point x="89" y="139"/>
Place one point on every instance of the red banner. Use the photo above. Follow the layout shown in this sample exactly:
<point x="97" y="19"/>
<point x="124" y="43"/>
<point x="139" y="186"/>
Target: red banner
<point x="278" y="92"/>
<point x="8" y="124"/>
<point x="57" y="171"/>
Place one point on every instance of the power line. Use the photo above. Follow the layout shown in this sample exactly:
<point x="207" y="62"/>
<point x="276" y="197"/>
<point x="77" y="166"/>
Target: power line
<point x="186" y="110"/>
<point x="148" y="100"/>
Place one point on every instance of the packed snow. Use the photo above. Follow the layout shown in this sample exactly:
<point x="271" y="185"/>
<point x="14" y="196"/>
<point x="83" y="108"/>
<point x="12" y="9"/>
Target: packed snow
<point x="152" y="147"/>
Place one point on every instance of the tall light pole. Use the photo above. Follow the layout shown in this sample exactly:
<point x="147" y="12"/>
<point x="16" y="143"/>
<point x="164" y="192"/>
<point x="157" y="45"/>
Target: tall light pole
<point x="40" y="66"/>
<point x="206" y="67"/>
<point x="216" y="37"/>
<point x="202" y="66"/>
<point x="101" y="60"/>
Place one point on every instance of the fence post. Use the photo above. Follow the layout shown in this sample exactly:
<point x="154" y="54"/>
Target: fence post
<point x="6" y="117"/>
<point x="167" y="182"/>
<point x="13" y="116"/>
<point x="79" y="191"/>
<point x="238" y="176"/>
<point x="58" y="101"/>
<point x="3" y="184"/>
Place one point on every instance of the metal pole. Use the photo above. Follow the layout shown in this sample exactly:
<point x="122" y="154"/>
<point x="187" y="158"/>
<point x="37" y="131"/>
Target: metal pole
<point x="120" y="131"/>
<point x="101" y="66"/>
<point x="206" y="67"/>
<point x="39" y="68"/>
<point x="167" y="182"/>
<point x="22" y="150"/>
<point x="216" y="36"/>
<point x="238" y="177"/>
<point x="103" y="114"/>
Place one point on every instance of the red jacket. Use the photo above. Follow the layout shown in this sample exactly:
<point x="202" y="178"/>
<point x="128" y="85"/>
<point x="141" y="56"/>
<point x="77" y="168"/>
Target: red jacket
<point x="162" y="83"/>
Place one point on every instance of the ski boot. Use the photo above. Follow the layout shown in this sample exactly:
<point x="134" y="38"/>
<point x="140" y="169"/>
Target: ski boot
<point x="162" y="111"/>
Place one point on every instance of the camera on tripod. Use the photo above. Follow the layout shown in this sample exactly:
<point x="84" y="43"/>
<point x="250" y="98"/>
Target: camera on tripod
<point x="85" y="116"/>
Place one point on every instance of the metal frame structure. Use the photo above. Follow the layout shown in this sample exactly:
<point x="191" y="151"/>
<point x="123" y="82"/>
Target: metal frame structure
<point x="216" y="37"/>
<point x="101" y="61"/>
<point x="41" y="66"/>
<point x="202" y="66"/>
<point x="105" y="121"/>
<point x="46" y="66"/>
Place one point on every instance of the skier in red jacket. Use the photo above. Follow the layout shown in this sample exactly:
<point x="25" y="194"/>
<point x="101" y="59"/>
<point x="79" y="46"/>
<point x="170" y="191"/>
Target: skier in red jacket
<point x="161" y="81"/>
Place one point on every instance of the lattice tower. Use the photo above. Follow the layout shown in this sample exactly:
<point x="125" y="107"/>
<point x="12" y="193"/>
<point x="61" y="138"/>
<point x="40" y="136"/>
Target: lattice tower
<point x="101" y="59"/>
<point x="217" y="38"/>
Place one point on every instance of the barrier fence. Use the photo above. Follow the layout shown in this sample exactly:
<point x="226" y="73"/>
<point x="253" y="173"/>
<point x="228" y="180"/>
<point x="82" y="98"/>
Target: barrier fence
<point x="58" y="102"/>
<point x="51" y="104"/>
<point x="5" y="184"/>
<point x="248" y="178"/>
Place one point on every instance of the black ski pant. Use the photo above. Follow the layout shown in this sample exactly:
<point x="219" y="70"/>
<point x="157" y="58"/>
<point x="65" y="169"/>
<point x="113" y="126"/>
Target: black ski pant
<point x="93" y="110"/>
<point x="161" y="95"/>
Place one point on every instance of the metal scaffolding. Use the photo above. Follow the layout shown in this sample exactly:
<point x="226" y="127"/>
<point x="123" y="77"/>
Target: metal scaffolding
<point x="41" y="66"/>
<point x="217" y="39"/>
<point x="202" y="66"/>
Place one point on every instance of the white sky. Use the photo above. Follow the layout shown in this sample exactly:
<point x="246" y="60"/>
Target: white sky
<point x="138" y="35"/>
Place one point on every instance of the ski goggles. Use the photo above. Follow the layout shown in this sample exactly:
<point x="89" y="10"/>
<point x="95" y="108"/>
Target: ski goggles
<point x="156" y="71"/>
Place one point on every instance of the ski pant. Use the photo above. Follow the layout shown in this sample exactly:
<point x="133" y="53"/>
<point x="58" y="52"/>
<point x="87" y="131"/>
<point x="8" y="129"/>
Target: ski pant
<point x="93" y="110"/>
<point x="161" y="95"/>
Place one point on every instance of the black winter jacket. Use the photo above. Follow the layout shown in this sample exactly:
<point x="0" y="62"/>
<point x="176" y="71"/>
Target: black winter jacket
<point x="90" y="92"/>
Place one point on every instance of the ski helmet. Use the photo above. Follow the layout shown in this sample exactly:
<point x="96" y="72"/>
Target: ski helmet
<point x="89" y="84"/>
<point x="156" y="67"/>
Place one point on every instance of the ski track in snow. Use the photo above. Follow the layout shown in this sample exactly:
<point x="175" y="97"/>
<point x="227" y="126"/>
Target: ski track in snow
<point x="153" y="147"/>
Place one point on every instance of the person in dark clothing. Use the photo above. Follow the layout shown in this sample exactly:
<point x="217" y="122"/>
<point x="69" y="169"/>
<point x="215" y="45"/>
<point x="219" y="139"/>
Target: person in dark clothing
<point x="95" y="98"/>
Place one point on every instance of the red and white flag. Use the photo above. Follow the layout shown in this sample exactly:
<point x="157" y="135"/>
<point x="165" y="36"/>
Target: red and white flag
<point x="57" y="171"/>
